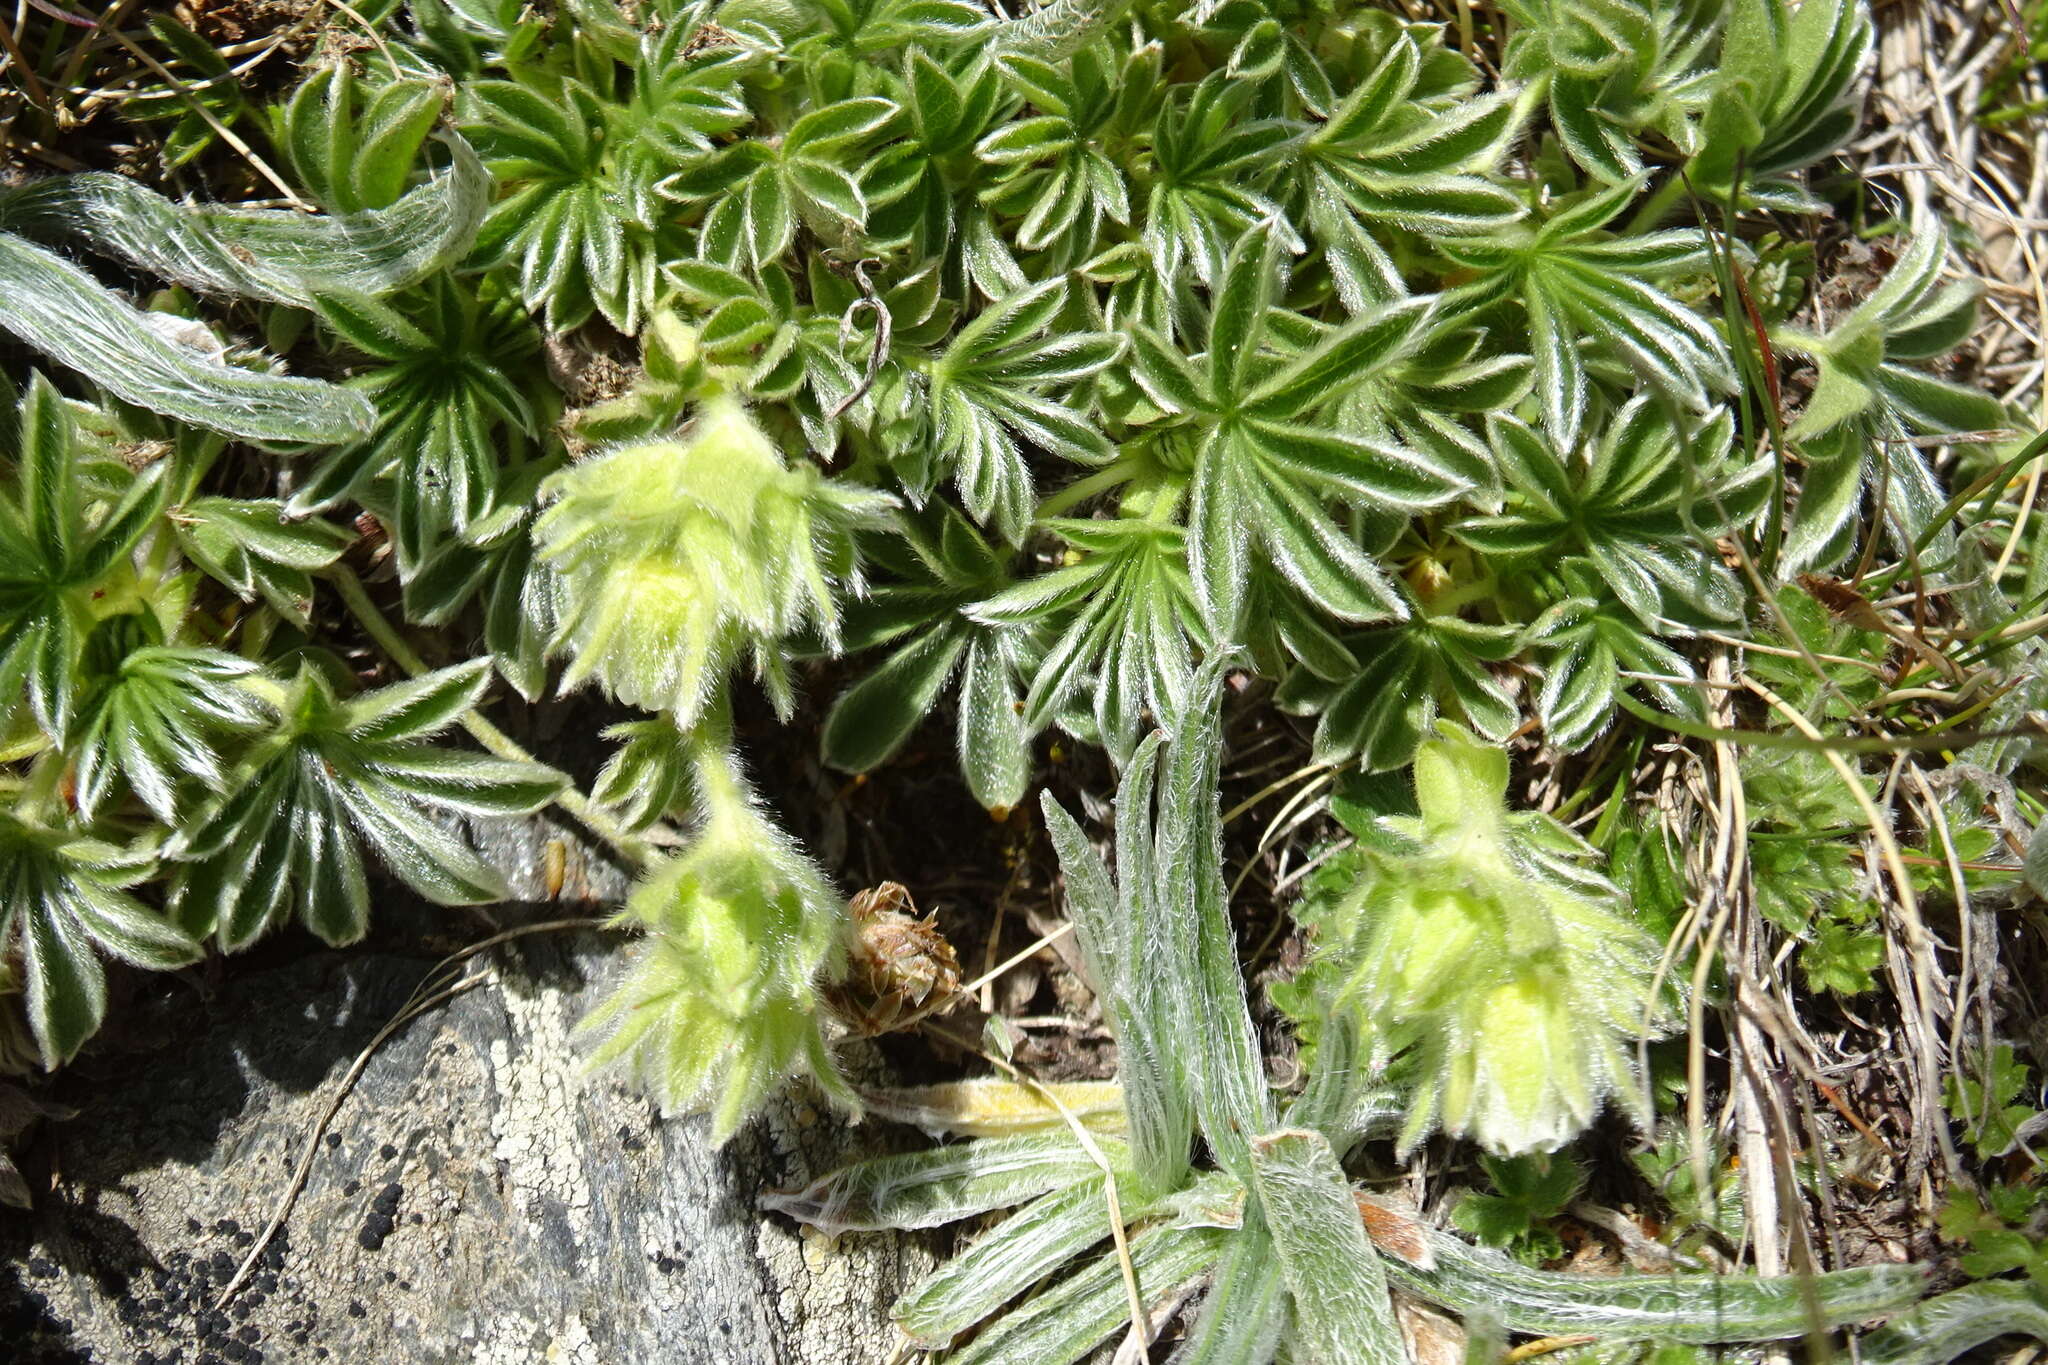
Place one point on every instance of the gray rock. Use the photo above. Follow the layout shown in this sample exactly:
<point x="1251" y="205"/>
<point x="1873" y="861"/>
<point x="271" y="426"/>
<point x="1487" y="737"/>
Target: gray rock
<point x="478" y="1197"/>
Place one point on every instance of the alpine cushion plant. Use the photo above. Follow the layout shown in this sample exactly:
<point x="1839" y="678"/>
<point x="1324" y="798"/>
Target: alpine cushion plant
<point x="1458" y="390"/>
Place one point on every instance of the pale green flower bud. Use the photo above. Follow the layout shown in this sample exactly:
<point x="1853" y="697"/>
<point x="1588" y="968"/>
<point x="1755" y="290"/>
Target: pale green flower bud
<point x="1480" y="946"/>
<point x="675" y="558"/>
<point x="720" y="1004"/>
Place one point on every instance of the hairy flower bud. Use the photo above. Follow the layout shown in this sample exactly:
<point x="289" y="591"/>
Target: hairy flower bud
<point x="720" y="1003"/>
<point x="677" y="557"/>
<point x="1479" y="945"/>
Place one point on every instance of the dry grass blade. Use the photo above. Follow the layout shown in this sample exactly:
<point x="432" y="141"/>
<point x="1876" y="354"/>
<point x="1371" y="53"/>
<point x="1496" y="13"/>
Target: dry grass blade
<point x="213" y="121"/>
<point x="1919" y="945"/>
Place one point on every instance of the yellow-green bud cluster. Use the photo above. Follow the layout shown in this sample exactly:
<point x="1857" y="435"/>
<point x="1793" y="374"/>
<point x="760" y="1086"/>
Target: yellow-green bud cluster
<point x="720" y="1002"/>
<point x="677" y="557"/>
<point x="1481" y="947"/>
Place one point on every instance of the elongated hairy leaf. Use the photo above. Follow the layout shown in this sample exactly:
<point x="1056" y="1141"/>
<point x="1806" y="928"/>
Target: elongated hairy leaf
<point x="67" y="315"/>
<point x="1704" y="1309"/>
<point x="1341" y="1307"/>
<point x="933" y="1188"/>
<point x="277" y="254"/>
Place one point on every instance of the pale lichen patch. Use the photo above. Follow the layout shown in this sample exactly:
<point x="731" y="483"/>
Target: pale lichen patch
<point x="534" y="1128"/>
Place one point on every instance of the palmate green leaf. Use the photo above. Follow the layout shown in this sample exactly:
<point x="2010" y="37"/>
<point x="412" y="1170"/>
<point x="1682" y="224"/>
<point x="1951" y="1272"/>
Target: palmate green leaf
<point x="755" y="194"/>
<point x="942" y="566"/>
<point x="59" y="310"/>
<point x="1909" y="316"/>
<point x="991" y="390"/>
<point x="248" y="546"/>
<point x="1529" y="1191"/>
<point x="1613" y="71"/>
<point x="1849" y="467"/>
<point x="647" y="776"/>
<point x="160" y="720"/>
<point x="1786" y="97"/>
<point x="64" y="558"/>
<point x="1644" y="509"/>
<point x="1210" y="164"/>
<point x="1385" y="162"/>
<point x="921" y="184"/>
<point x="1125" y="617"/>
<point x="63" y="902"/>
<point x="497" y="568"/>
<point x="1265" y="469"/>
<point x="864" y="28"/>
<point x="580" y="215"/>
<point x="871" y="720"/>
<point x="1266" y="43"/>
<point x="449" y="372"/>
<point x="336" y="777"/>
<point x="1585" y="642"/>
<point x="1406" y="675"/>
<point x="1428" y="401"/>
<point x="686" y="85"/>
<point x="580" y="230"/>
<point x="1333" y="1276"/>
<point x="1866" y="406"/>
<point x="1054" y="174"/>
<point x="1281" y="630"/>
<point x="1575" y="281"/>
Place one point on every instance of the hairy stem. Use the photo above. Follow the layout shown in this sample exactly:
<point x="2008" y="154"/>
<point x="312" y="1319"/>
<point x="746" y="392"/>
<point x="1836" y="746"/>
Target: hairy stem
<point x="572" y="799"/>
